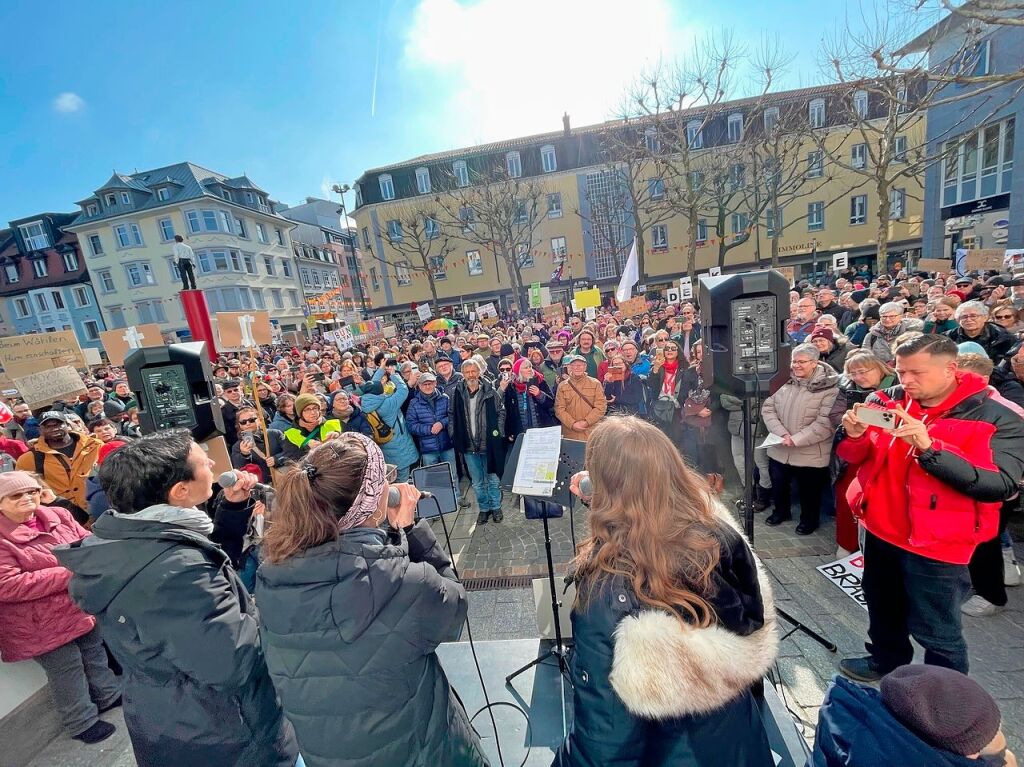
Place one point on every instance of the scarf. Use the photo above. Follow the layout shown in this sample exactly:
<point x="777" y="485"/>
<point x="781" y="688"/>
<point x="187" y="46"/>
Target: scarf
<point x="668" y="385"/>
<point x="190" y="518"/>
<point x="367" y="501"/>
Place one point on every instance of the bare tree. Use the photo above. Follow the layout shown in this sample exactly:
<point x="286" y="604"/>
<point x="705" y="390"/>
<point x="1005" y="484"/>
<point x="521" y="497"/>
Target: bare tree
<point x="418" y="236"/>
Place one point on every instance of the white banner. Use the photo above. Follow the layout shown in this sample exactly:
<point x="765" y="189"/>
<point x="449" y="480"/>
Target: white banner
<point x="486" y="310"/>
<point x="423" y="310"/>
<point x="847" y="574"/>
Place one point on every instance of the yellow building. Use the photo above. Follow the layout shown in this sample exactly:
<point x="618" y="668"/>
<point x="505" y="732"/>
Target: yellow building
<point x="243" y="250"/>
<point x="828" y="204"/>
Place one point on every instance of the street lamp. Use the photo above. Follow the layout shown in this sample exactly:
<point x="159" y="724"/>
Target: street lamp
<point x="340" y="190"/>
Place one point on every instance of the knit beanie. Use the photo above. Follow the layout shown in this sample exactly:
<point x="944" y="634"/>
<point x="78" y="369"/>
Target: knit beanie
<point x="107" y="449"/>
<point x="870" y="313"/>
<point x="15" y="482"/>
<point x="943" y="707"/>
<point x="507" y="350"/>
<point x="971" y="347"/>
<point x="303" y="401"/>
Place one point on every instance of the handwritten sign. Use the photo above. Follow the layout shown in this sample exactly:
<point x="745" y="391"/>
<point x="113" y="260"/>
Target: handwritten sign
<point x="933" y="265"/>
<point x="244" y="330"/>
<point x="344" y="339"/>
<point x="118" y="343"/>
<point x="985" y="259"/>
<point x="22" y="355"/>
<point x="486" y="310"/>
<point x="848" y="575"/>
<point x="44" y="388"/>
<point x="553" y="313"/>
<point x="633" y="306"/>
<point x="423" y="310"/>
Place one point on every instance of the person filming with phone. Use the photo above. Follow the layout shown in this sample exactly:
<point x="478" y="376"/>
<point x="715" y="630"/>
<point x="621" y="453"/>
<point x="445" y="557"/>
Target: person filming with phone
<point x="934" y="459"/>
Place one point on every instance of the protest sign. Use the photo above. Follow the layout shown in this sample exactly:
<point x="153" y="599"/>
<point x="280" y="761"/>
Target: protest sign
<point x="486" y="310"/>
<point x="985" y="259"/>
<point x="535" y="302"/>
<point x="489" y="322"/>
<point x="423" y="311"/>
<point x="685" y="288"/>
<point x="847" y="574"/>
<point x="789" y="272"/>
<point x="633" y="306"/>
<point x="21" y="355"/>
<point x="344" y="339"/>
<point x="92" y="355"/>
<point x="293" y="338"/>
<point x="44" y="388"/>
<point x="587" y="298"/>
<point x="390" y="331"/>
<point x="715" y="271"/>
<point x="840" y="260"/>
<point x="673" y="296"/>
<point x="590" y="313"/>
<point x="553" y="313"/>
<point x="933" y="265"/>
<point x="118" y="343"/>
<point x="244" y="330"/>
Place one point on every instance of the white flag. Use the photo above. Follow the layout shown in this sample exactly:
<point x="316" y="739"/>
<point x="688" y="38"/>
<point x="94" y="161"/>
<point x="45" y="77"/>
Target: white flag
<point x="630" y="276"/>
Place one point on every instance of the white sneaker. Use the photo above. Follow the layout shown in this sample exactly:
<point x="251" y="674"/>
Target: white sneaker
<point x="979" y="607"/>
<point x="1011" y="572"/>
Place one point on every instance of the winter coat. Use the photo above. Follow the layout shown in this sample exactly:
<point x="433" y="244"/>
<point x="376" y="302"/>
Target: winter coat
<point x="541" y="409"/>
<point x="423" y="413"/>
<point x="280" y="421"/>
<point x="95" y="498"/>
<point x="401" y="450"/>
<point x="587" y="404"/>
<point x="350" y="628"/>
<point x="857" y="332"/>
<point x="24" y="432"/>
<point x="879" y="341"/>
<point x="855" y="729"/>
<point x="836" y="359"/>
<point x="999" y="344"/>
<point x="490" y="424"/>
<point x="630" y="396"/>
<point x="551" y="372"/>
<point x="15" y="448"/>
<point x="177" y="618"/>
<point x="649" y="692"/>
<point x="446" y="385"/>
<point x="65" y="477"/>
<point x="801" y="409"/>
<point x="277" y="445"/>
<point x="36" y="613"/>
<point x="594" y="358"/>
<point x="943" y="502"/>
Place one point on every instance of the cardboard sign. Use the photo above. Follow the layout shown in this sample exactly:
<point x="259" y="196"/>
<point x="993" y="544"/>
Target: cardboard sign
<point x="633" y="306"/>
<point x="293" y="338"/>
<point x="985" y="259"/>
<point x="553" y="313"/>
<point x="92" y="355"/>
<point x="244" y="330"/>
<point x="590" y="313"/>
<point x="44" y="388"/>
<point x="789" y="272"/>
<point x="423" y="310"/>
<point x="217" y="450"/>
<point x="847" y="574"/>
<point x="587" y="298"/>
<point x="489" y="322"/>
<point x="486" y="310"/>
<point x="933" y="265"/>
<point x="390" y="331"/>
<point x="118" y="343"/>
<point x="22" y="355"/>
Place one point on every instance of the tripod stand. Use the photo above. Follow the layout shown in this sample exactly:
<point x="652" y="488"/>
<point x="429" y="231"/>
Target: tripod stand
<point x="559" y="651"/>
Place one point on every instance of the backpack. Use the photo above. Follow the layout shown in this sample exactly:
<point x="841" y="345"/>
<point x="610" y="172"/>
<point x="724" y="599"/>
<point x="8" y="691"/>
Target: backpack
<point x="382" y="433"/>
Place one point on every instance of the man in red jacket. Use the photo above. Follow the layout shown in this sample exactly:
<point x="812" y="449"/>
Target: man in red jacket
<point x="927" y="493"/>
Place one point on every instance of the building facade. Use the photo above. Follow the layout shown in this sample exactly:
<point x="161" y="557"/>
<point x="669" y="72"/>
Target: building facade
<point x="243" y="248"/>
<point x="45" y="284"/>
<point x="574" y="239"/>
<point x="973" y="199"/>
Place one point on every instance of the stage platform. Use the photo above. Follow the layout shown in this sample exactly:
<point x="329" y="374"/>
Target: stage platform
<point x="547" y="699"/>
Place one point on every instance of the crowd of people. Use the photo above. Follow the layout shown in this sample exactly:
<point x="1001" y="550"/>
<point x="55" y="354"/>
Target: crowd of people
<point x="927" y="496"/>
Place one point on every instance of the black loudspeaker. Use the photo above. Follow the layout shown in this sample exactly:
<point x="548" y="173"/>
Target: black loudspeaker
<point x="174" y="388"/>
<point x="744" y="318"/>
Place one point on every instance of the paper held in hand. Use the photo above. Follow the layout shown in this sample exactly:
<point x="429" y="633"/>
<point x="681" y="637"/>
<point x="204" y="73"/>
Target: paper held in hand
<point x="537" y="469"/>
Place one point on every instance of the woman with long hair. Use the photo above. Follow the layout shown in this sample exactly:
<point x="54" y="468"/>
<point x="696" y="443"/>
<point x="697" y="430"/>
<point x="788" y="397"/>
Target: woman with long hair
<point x="665" y="389"/>
<point x="354" y="599"/>
<point x="673" y="623"/>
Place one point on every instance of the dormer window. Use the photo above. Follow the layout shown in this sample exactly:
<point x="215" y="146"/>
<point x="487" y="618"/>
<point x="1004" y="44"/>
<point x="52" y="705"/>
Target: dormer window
<point x="387" y="186"/>
<point x="35" y="236"/>
<point x="225" y="194"/>
<point x="163" y="193"/>
<point x="126" y="198"/>
<point x="91" y="209"/>
<point x="110" y="199"/>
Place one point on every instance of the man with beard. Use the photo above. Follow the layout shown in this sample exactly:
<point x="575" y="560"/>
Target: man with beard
<point x="23" y="426"/>
<point x="476" y="423"/>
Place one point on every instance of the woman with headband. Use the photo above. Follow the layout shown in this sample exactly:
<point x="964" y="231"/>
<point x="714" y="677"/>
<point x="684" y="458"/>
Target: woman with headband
<point x="354" y="599"/>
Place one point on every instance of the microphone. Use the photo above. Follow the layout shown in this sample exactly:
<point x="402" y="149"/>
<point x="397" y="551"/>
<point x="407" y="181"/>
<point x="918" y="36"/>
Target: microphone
<point x="586" y="486"/>
<point x="230" y="479"/>
<point x="395" y="496"/>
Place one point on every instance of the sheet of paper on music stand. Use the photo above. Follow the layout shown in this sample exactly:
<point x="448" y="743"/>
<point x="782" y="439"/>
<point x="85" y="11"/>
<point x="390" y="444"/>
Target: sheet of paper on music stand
<point x="537" y="469"/>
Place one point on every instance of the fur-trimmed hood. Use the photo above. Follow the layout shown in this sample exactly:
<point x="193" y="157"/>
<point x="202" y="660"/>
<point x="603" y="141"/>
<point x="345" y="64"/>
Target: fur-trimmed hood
<point x="662" y="669"/>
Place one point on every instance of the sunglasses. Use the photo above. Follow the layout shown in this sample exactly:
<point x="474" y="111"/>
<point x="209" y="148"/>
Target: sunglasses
<point x="1003" y="316"/>
<point x="244" y="421"/>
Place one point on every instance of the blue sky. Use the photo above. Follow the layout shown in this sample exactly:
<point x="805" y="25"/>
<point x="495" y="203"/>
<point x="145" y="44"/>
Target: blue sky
<point x="290" y="93"/>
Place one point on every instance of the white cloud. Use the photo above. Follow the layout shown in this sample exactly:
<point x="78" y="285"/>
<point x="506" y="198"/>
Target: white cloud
<point x="69" y="102"/>
<point x="505" y="68"/>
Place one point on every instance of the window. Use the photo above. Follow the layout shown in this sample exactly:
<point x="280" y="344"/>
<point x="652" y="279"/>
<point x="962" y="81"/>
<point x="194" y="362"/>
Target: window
<point x="163" y="193"/>
<point x="192" y="219"/>
<point x="250" y="263"/>
<point x="91" y="209"/>
<point x="558" y="249"/>
<point x="816" y="113"/>
<point x="899" y="149"/>
<point x="514" y="164"/>
<point x="249" y="198"/>
<point x="858" y="209"/>
<point x="58" y="299"/>
<point x="127" y="235"/>
<point x="150" y="311"/>
<point x="225" y="194"/>
<point x="166" y="229"/>
<point x="815" y="216"/>
<point x="735" y="128"/>
<point x="110" y="199"/>
<point x="694" y="135"/>
<point x="659" y="237"/>
<point x="286" y="268"/>
<point x="81" y="296"/>
<point x="973" y="60"/>
<point x="522" y="212"/>
<point x="105" y="280"/>
<point x="139" y="274"/>
<point x="293" y="297"/>
<point x="373" y="278"/>
<point x="95" y="245"/>
<point x="11" y="271"/>
<point x="737" y="176"/>
<point x="431" y="228"/>
<point x="240" y="229"/>
<point x="901" y="100"/>
<point x="473" y="263"/>
<point x="261" y="233"/>
<point x="394" y="230"/>
<point x="548" y="161"/>
<point x="656" y="188"/>
<point x="116" y="317"/>
<point x="422" y="180"/>
<point x="173" y="270"/>
<point x="992" y="149"/>
<point x="276" y="298"/>
<point x="402" y="276"/>
<point x="651" y="140"/>
<point x="437" y="268"/>
<point x="897" y="203"/>
<point x="702" y="230"/>
<point x="257" y="299"/>
<point x="39" y="267"/>
<point x="555" y="205"/>
<point x="91" y="330"/>
<point x="21" y="308"/>
<point x="860" y="103"/>
<point x="366" y="237"/>
<point x="523" y="256"/>
<point x="126" y="199"/>
<point x="461" y="171"/>
<point x="773" y="222"/>
<point x="815" y="164"/>
<point x="279" y="233"/>
<point x="859" y="155"/>
<point x="771" y="119"/>
<point x="268" y="266"/>
<point x="387" y="186"/>
<point x="70" y="261"/>
<point x="35" y="236"/>
<point x="41" y="305"/>
<point x="739" y="223"/>
<point x="467" y="217"/>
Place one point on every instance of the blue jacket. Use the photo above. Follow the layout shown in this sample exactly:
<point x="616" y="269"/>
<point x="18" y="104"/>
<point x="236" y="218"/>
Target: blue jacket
<point x="855" y="729"/>
<point x="423" y="413"/>
<point x="280" y="422"/>
<point x="95" y="498"/>
<point x="401" y="450"/>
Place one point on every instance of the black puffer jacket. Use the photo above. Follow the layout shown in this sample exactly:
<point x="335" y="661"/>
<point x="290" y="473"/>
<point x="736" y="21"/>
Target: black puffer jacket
<point x="999" y="344"/>
<point x="350" y="628"/>
<point x="649" y="693"/>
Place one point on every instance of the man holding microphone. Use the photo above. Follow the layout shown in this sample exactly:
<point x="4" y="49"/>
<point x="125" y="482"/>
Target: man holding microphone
<point x="928" y="488"/>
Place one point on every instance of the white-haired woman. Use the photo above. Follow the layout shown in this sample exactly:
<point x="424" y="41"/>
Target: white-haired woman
<point x="891" y="324"/>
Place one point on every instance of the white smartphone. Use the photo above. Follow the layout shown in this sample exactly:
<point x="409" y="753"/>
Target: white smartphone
<point x="872" y="416"/>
